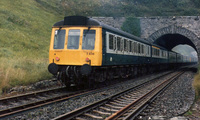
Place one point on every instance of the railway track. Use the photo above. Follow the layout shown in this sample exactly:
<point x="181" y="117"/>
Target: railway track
<point x="4" y="113"/>
<point x="34" y="100"/>
<point x="123" y="105"/>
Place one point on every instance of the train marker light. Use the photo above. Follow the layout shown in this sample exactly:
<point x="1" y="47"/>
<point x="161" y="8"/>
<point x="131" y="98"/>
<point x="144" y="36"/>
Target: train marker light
<point x="87" y="60"/>
<point x="57" y="58"/>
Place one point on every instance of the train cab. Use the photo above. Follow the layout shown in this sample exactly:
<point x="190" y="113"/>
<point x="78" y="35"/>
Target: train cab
<point x="75" y="41"/>
<point x="75" y="46"/>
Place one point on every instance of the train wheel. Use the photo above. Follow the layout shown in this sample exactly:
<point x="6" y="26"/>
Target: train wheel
<point x="100" y="76"/>
<point x="110" y="75"/>
<point x="91" y="83"/>
<point x="134" y="72"/>
<point x="123" y="72"/>
<point x="63" y="79"/>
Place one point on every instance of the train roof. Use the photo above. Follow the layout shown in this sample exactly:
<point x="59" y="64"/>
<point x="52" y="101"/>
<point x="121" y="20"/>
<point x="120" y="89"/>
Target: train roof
<point x="85" y="21"/>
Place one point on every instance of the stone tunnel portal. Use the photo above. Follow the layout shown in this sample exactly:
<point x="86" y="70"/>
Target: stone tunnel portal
<point x="169" y="41"/>
<point x="173" y="35"/>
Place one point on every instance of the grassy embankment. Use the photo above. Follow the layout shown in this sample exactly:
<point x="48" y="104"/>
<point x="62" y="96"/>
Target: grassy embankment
<point x="196" y="84"/>
<point x="25" y="29"/>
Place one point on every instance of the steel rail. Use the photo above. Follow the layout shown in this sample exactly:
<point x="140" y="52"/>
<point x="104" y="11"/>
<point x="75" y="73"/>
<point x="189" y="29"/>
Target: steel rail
<point x="75" y="113"/>
<point x="7" y="99"/>
<point x="33" y="105"/>
<point x="140" y="103"/>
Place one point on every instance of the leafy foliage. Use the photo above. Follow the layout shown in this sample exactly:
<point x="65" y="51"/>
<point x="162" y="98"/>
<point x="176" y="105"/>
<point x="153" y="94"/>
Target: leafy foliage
<point x="127" y="8"/>
<point x="196" y="84"/>
<point x="132" y="25"/>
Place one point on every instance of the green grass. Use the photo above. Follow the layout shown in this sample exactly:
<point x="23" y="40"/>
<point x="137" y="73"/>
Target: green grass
<point x="25" y="29"/>
<point x="196" y="84"/>
<point x="188" y="113"/>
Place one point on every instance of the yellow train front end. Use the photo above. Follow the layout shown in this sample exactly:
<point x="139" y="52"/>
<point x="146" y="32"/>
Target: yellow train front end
<point x="76" y="46"/>
<point x="74" y="51"/>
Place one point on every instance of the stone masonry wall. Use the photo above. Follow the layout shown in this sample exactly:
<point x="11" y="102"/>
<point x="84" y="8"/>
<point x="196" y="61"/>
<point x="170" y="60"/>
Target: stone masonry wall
<point x="151" y="24"/>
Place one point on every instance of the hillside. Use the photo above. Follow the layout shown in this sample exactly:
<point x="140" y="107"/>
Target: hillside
<point x="25" y="29"/>
<point x="137" y="8"/>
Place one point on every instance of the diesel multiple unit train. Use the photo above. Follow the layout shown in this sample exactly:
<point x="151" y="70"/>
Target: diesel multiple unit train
<point x="85" y="50"/>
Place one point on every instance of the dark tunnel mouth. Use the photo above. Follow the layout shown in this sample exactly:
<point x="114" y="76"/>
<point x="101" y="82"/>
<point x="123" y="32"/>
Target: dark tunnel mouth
<point x="169" y="41"/>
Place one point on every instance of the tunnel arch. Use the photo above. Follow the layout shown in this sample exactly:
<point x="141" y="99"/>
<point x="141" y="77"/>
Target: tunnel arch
<point x="173" y="35"/>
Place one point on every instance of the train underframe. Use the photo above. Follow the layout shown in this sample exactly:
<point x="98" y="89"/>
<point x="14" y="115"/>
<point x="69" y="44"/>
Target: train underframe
<point x="72" y="76"/>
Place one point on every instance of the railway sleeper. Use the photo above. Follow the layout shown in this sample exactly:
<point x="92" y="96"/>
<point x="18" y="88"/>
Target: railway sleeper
<point x="79" y="118"/>
<point x="108" y="109"/>
<point x="102" y="113"/>
<point x="111" y="106"/>
<point x="93" y="116"/>
<point x="118" y="104"/>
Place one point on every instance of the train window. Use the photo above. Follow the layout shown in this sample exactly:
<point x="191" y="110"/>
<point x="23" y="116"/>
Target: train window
<point x="130" y="46"/>
<point x="125" y="45"/>
<point x="114" y="43"/>
<point x="152" y="51"/>
<point x="145" y="50"/>
<point x="111" y="41"/>
<point x="142" y="47"/>
<point x="88" y="39"/>
<point x="164" y="55"/>
<point x="139" y="50"/>
<point x="156" y="52"/>
<point x="59" y="39"/>
<point x="149" y="50"/>
<point x="118" y="43"/>
<point x="121" y="45"/>
<point x="73" y="39"/>
<point x="135" y="47"/>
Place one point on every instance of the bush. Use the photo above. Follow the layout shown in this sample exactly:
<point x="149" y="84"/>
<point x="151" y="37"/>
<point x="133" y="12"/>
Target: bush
<point x="132" y="25"/>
